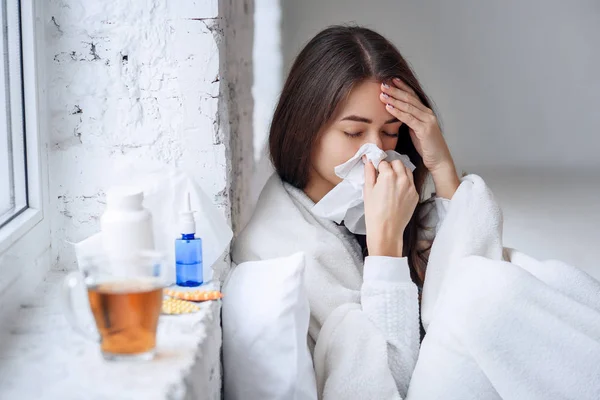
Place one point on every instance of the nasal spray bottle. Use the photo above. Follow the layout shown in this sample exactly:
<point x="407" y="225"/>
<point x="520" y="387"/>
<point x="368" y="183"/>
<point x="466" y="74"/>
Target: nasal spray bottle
<point x="188" y="249"/>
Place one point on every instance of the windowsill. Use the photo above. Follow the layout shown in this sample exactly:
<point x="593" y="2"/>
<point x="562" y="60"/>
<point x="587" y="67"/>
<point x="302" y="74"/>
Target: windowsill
<point x="19" y="226"/>
<point x="42" y="357"/>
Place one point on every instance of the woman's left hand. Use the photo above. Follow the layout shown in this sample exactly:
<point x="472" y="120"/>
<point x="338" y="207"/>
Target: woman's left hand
<point x="403" y="103"/>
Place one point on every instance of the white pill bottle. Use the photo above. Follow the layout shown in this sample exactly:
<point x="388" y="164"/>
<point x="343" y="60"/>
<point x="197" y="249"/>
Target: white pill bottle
<point x="126" y="225"/>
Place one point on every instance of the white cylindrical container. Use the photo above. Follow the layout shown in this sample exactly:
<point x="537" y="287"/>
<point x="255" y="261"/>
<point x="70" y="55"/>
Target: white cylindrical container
<point x="126" y="225"/>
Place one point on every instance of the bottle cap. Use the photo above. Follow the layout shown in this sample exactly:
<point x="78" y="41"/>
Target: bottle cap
<point x="187" y="224"/>
<point x="124" y="197"/>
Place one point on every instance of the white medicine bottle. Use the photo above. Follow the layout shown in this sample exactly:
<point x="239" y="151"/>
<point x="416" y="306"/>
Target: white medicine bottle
<point x="126" y="225"/>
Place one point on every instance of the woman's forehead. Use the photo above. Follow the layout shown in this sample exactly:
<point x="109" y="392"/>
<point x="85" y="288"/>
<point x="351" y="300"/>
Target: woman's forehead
<point x="363" y="101"/>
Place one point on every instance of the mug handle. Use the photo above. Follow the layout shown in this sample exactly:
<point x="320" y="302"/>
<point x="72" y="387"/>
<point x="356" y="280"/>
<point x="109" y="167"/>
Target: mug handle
<point x="73" y="281"/>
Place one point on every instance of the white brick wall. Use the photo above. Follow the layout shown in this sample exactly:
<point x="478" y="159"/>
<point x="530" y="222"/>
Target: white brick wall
<point x="150" y="82"/>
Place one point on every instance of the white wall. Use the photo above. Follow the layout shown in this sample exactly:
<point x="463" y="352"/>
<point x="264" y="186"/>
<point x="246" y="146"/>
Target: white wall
<point x="268" y="69"/>
<point x="551" y="214"/>
<point x="267" y="59"/>
<point x="236" y="105"/>
<point x="516" y="85"/>
<point x="152" y="83"/>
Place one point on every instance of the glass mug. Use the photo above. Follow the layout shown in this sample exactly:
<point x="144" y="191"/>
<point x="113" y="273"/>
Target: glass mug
<point x="125" y="298"/>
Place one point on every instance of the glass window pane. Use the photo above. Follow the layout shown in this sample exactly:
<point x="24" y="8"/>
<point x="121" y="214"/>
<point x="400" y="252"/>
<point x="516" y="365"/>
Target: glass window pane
<point x="13" y="184"/>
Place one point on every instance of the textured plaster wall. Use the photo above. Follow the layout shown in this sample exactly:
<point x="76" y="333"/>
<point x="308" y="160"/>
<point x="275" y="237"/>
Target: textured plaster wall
<point x="148" y="82"/>
<point x="237" y="102"/>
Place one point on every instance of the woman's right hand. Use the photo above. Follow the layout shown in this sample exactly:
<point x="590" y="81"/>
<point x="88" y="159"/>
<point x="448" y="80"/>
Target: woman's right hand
<point x="390" y="201"/>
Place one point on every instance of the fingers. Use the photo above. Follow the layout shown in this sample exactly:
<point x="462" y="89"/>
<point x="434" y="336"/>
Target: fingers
<point x="402" y="170"/>
<point x="406" y="107"/>
<point x="370" y="175"/>
<point x="404" y="93"/>
<point x="395" y="169"/>
<point x="398" y="167"/>
<point x="410" y="175"/>
<point x="401" y="85"/>
<point x="409" y="119"/>
<point x="388" y="172"/>
<point x="385" y="168"/>
<point x="407" y="179"/>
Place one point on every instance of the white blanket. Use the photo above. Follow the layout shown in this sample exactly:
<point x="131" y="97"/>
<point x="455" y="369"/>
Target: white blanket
<point x="501" y="324"/>
<point x="364" y="327"/>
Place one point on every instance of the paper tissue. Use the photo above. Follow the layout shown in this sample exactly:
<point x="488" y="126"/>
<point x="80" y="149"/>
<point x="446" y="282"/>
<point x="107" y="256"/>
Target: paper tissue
<point x="164" y="195"/>
<point x="345" y="201"/>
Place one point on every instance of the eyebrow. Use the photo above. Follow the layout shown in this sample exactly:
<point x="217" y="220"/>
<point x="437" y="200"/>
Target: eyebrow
<point x="366" y="120"/>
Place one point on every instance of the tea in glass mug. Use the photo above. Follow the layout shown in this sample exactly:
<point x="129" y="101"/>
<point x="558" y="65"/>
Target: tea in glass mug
<point x="125" y="298"/>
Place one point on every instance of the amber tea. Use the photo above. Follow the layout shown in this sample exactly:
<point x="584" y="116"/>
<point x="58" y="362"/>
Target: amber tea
<point x="126" y="315"/>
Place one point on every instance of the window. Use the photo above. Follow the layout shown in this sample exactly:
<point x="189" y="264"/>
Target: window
<point x="13" y="181"/>
<point x="24" y="232"/>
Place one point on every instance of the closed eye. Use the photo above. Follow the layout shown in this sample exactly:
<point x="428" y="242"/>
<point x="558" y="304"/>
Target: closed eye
<point x="357" y="134"/>
<point x="353" y="135"/>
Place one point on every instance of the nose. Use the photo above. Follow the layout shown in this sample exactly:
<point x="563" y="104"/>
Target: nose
<point x="375" y="138"/>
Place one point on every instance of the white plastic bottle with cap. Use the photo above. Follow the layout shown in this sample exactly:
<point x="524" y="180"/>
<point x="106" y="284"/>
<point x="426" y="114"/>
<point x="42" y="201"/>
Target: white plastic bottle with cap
<point x="126" y="225"/>
<point x="188" y="249"/>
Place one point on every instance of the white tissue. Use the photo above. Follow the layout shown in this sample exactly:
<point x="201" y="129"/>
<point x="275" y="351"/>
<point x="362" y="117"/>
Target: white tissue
<point x="164" y="195"/>
<point x="345" y="201"/>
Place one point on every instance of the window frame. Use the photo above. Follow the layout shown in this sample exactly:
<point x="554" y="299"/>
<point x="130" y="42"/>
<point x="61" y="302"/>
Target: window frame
<point x="21" y="225"/>
<point x="13" y="116"/>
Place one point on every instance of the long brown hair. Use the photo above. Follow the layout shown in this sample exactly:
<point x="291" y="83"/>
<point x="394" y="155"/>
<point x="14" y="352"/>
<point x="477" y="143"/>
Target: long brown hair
<point x="322" y="76"/>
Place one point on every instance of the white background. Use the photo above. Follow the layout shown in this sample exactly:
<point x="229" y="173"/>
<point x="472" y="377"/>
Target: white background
<point x="516" y="82"/>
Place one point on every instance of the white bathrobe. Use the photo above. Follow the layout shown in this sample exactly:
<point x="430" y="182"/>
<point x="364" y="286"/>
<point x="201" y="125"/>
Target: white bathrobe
<point x="499" y="324"/>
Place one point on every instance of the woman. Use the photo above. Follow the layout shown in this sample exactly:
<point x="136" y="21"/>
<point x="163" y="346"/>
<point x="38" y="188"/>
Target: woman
<point x="348" y="87"/>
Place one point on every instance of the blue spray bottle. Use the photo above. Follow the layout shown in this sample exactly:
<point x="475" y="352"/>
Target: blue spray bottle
<point x="188" y="250"/>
